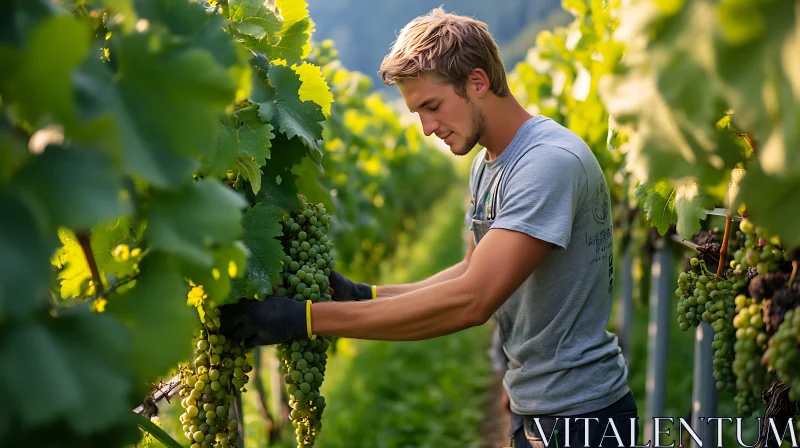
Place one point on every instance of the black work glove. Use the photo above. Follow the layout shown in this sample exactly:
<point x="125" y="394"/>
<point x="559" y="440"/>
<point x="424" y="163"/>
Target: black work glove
<point x="345" y="290"/>
<point x="270" y="321"/>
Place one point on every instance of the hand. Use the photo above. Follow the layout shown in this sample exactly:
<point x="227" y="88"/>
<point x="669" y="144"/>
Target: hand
<point x="345" y="290"/>
<point x="271" y="321"/>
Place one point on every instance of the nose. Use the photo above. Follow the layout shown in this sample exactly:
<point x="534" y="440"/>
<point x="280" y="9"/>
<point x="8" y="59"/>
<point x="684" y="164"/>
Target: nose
<point x="429" y="125"/>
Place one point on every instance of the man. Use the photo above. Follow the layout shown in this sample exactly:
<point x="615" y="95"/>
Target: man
<point x="540" y="261"/>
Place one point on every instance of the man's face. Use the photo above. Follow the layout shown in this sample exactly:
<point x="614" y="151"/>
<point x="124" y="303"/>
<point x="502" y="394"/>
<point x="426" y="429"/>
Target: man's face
<point x="456" y="120"/>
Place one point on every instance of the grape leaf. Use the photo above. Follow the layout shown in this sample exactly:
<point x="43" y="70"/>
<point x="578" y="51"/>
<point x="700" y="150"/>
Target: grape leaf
<point x="261" y="228"/>
<point x="189" y="221"/>
<point x="163" y="127"/>
<point x="39" y="87"/>
<point x="290" y="36"/>
<point x="24" y="251"/>
<point x="281" y="105"/>
<point x="254" y="24"/>
<point x="73" y="188"/>
<point x="658" y="204"/>
<point x="73" y="268"/>
<point x="255" y="136"/>
<point x="285" y="154"/>
<point x="691" y="204"/>
<point x="292" y="11"/>
<point x="97" y="349"/>
<point x="314" y="87"/>
<point x="73" y="356"/>
<point x="58" y="387"/>
<point x="668" y="97"/>
<point x="240" y="10"/>
<point x="764" y="195"/>
<point x="250" y="171"/>
<point x="157" y="317"/>
<point x="246" y="145"/>
<point x="20" y="19"/>
<point x="294" y="41"/>
<point x="309" y="183"/>
<point x="74" y="272"/>
<point x="229" y="262"/>
<point x="189" y="23"/>
<point x="741" y="66"/>
<point x="13" y="151"/>
<point x="224" y="158"/>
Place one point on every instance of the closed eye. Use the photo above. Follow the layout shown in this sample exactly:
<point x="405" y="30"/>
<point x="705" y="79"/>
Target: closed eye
<point x="432" y="109"/>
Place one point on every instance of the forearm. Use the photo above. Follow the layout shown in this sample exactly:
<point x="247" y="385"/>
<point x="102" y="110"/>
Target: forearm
<point x="437" y="310"/>
<point x="450" y="273"/>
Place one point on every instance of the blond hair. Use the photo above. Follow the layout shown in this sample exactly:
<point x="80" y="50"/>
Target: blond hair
<point x="450" y="47"/>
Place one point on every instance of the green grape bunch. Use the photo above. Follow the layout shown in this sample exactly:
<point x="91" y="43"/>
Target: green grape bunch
<point x="703" y="296"/>
<point x="761" y="253"/>
<point x="783" y="353"/>
<point x="305" y="276"/>
<point x="218" y="371"/>
<point x="750" y="346"/>
<point x="688" y="315"/>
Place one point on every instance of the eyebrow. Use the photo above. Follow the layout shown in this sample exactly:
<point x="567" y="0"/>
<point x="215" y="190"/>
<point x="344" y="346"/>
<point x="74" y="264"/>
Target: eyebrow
<point x="424" y="103"/>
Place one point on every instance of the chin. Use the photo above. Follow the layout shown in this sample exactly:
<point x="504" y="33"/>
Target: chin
<point x="460" y="150"/>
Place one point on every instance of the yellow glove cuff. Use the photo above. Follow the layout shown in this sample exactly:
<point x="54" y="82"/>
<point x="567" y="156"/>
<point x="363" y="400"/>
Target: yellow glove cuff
<point x="308" y="321"/>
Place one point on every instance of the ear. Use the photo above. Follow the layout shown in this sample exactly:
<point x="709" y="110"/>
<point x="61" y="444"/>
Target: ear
<point x="478" y="83"/>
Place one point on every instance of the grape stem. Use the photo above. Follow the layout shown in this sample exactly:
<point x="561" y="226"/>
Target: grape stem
<point x="85" y="240"/>
<point x="680" y="240"/>
<point x="794" y="271"/>
<point x="749" y="141"/>
<point x="704" y="269"/>
<point x="723" y="250"/>
<point x="113" y="288"/>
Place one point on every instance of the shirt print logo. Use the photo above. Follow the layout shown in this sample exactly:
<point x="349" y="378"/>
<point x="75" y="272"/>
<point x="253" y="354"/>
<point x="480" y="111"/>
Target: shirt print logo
<point x="601" y="202"/>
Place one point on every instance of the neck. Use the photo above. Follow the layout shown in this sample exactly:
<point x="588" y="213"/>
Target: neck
<point x="503" y="119"/>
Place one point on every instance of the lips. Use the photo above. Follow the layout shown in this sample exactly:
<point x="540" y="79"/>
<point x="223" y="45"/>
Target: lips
<point x="446" y="136"/>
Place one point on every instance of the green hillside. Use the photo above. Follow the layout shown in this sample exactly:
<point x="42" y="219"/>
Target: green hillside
<point x="364" y="30"/>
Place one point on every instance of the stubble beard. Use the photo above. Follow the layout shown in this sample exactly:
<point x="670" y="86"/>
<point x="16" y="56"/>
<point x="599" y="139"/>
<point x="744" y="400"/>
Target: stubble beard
<point x="478" y="128"/>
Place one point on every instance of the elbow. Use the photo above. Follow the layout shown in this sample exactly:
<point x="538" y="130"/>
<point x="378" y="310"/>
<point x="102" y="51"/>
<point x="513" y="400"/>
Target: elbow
<point x="477" y="319"/>
<point x="477" y="310"/>
<point x="482" y="316"/>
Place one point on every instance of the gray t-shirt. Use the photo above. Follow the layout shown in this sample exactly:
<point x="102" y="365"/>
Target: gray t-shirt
<point x="562" y="360"/>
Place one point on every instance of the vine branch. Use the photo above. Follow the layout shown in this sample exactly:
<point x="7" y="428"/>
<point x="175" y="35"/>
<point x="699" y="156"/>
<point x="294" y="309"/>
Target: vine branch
<point x="723" y="250"/>
<point x="163" y="391"/>
<point x="85" y="240"/>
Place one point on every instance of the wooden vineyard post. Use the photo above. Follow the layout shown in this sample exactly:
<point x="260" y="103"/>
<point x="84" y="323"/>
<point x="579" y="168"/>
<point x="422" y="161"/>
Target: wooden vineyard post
<point x="704" y="386"/>
<point x="625" y="310"/>
<point x="661" y="291"/>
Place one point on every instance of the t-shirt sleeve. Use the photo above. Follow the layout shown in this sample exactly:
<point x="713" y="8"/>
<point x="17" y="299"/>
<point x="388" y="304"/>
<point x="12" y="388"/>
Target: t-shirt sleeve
<point x="541" y="195"/>
<point x="472" y="173"/>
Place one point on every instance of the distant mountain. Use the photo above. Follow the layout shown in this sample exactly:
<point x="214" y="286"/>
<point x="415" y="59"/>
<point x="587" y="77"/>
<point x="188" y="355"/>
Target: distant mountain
<point x="364" y="30"/>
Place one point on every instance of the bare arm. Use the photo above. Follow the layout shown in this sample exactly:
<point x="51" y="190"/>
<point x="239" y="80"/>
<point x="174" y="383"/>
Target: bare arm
<point x="453" y="272"/>
<point x="496" y="269"/>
